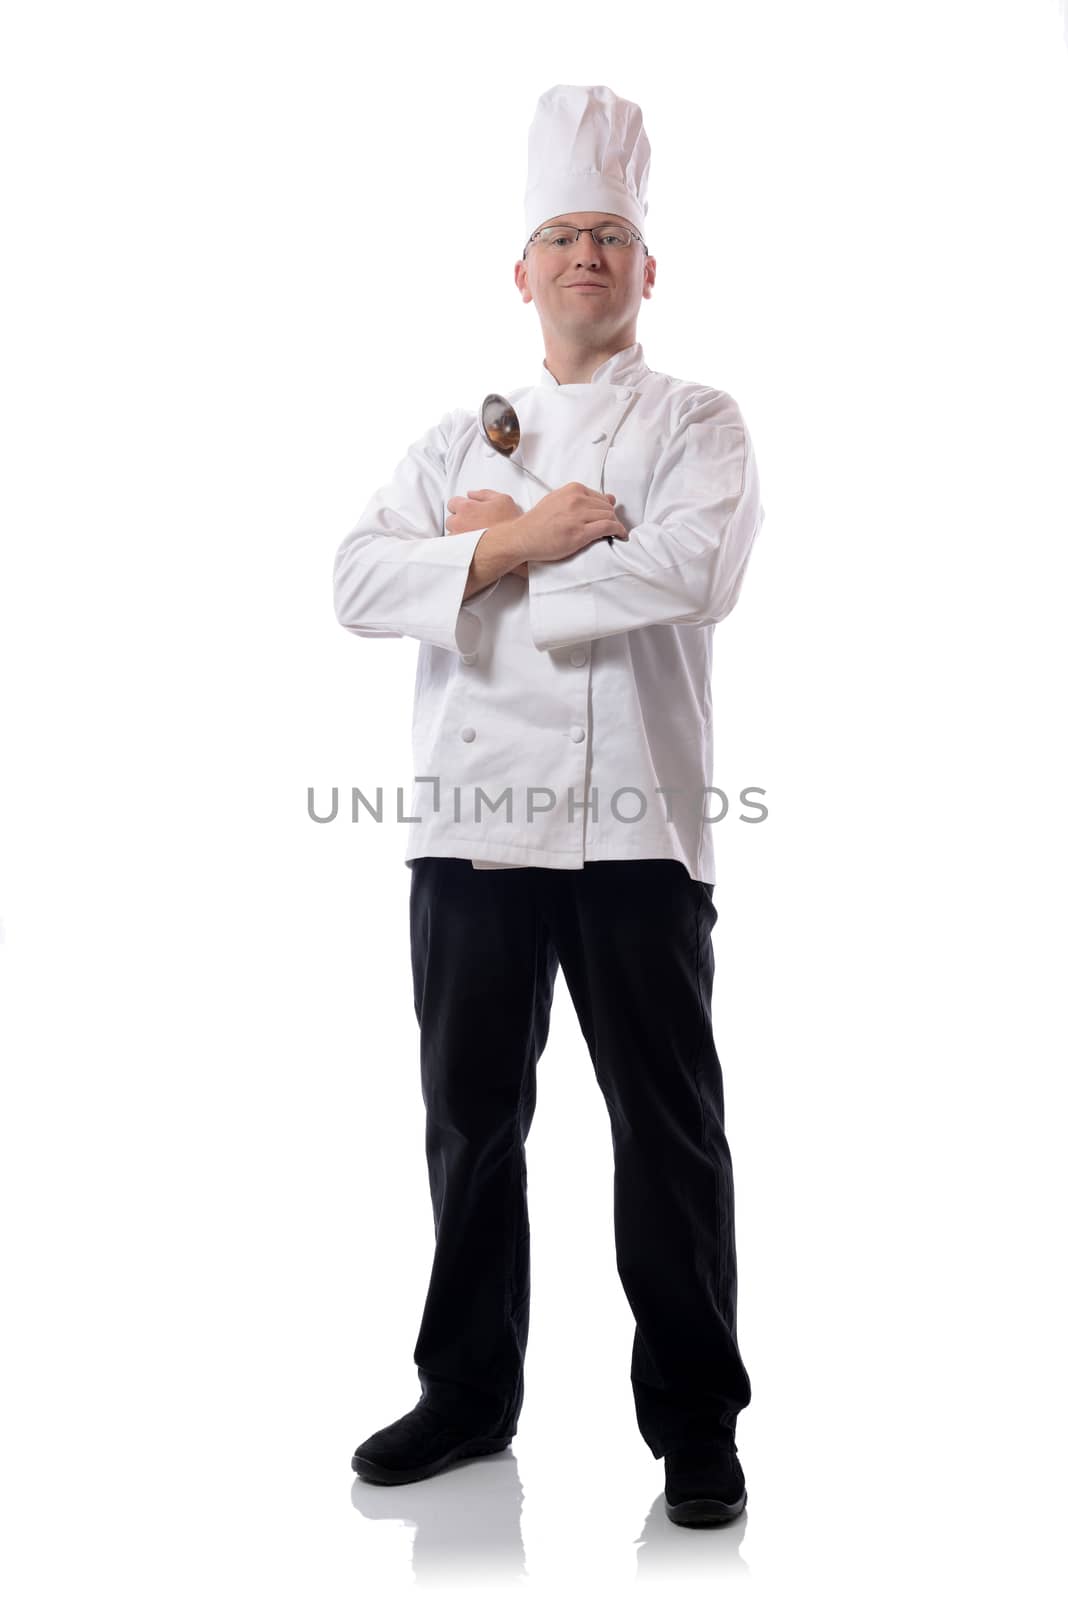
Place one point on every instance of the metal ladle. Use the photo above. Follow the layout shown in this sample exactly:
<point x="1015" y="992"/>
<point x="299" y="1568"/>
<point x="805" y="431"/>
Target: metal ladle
<point x="499" y="426"/>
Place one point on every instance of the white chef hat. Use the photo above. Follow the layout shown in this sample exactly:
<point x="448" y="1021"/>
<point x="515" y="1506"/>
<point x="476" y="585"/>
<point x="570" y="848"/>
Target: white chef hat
<point x="587" y="151"/>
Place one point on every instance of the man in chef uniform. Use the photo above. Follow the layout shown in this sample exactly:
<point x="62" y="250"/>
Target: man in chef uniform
<point x="563" y="744"/>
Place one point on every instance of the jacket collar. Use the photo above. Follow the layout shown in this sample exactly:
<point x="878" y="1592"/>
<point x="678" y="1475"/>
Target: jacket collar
<point x="625" y="367"/>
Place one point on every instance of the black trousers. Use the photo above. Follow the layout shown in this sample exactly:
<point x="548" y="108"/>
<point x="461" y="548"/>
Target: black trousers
<point x="633" y="938"/>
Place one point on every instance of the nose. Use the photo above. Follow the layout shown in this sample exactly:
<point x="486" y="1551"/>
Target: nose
<point x="587" y="251"/>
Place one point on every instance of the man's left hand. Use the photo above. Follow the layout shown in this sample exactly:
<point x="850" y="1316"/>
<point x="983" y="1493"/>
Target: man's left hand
<point x="482" y="508"/>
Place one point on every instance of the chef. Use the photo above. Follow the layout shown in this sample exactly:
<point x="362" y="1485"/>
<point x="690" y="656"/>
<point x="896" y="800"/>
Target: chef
<point x="565" y="598"/>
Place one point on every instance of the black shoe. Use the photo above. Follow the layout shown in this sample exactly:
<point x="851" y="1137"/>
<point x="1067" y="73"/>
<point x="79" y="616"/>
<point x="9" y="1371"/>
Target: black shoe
<point x="704" y="1484"/>
<point x="419" y="1444"/>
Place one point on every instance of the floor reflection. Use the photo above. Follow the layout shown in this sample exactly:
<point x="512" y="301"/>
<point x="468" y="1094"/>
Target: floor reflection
<point x="666" y="1550"/>
<point x="466" y="1518"/>
<point x="467" y="1526"/>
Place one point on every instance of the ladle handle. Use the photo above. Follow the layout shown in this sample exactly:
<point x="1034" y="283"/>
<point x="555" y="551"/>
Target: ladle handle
<point x="546" y="486"/>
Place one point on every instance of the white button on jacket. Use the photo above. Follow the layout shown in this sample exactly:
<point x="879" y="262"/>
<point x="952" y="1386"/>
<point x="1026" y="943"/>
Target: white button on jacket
<point x="567" y="717"/>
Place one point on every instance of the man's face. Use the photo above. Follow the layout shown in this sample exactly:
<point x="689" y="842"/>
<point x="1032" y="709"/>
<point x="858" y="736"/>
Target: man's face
<point x="558" y="278"/>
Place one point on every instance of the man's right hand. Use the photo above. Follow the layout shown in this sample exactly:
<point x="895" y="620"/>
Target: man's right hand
<point x="563" y="521"/>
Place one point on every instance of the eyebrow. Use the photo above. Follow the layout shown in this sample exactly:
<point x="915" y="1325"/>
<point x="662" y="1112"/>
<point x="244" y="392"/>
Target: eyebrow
<point x="602" y="218"/>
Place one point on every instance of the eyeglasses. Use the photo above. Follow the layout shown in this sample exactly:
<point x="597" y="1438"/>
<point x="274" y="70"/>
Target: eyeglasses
<point x="610" y="235"/>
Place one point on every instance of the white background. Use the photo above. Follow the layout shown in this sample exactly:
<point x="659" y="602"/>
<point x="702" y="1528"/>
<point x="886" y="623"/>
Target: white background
<point x="252" y="253"/>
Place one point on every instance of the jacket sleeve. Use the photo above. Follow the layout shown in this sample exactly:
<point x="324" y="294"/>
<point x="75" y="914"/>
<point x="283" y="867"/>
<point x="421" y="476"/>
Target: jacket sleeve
<point x="684" y="562"/>
<point x="398" y="573"/>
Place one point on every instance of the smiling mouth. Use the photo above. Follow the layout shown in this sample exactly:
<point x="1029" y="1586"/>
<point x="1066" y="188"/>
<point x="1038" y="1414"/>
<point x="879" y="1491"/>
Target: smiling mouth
<point x="585" y="286"/>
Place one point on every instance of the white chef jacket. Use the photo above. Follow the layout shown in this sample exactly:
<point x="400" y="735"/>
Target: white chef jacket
<point x="555" y="715"/>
